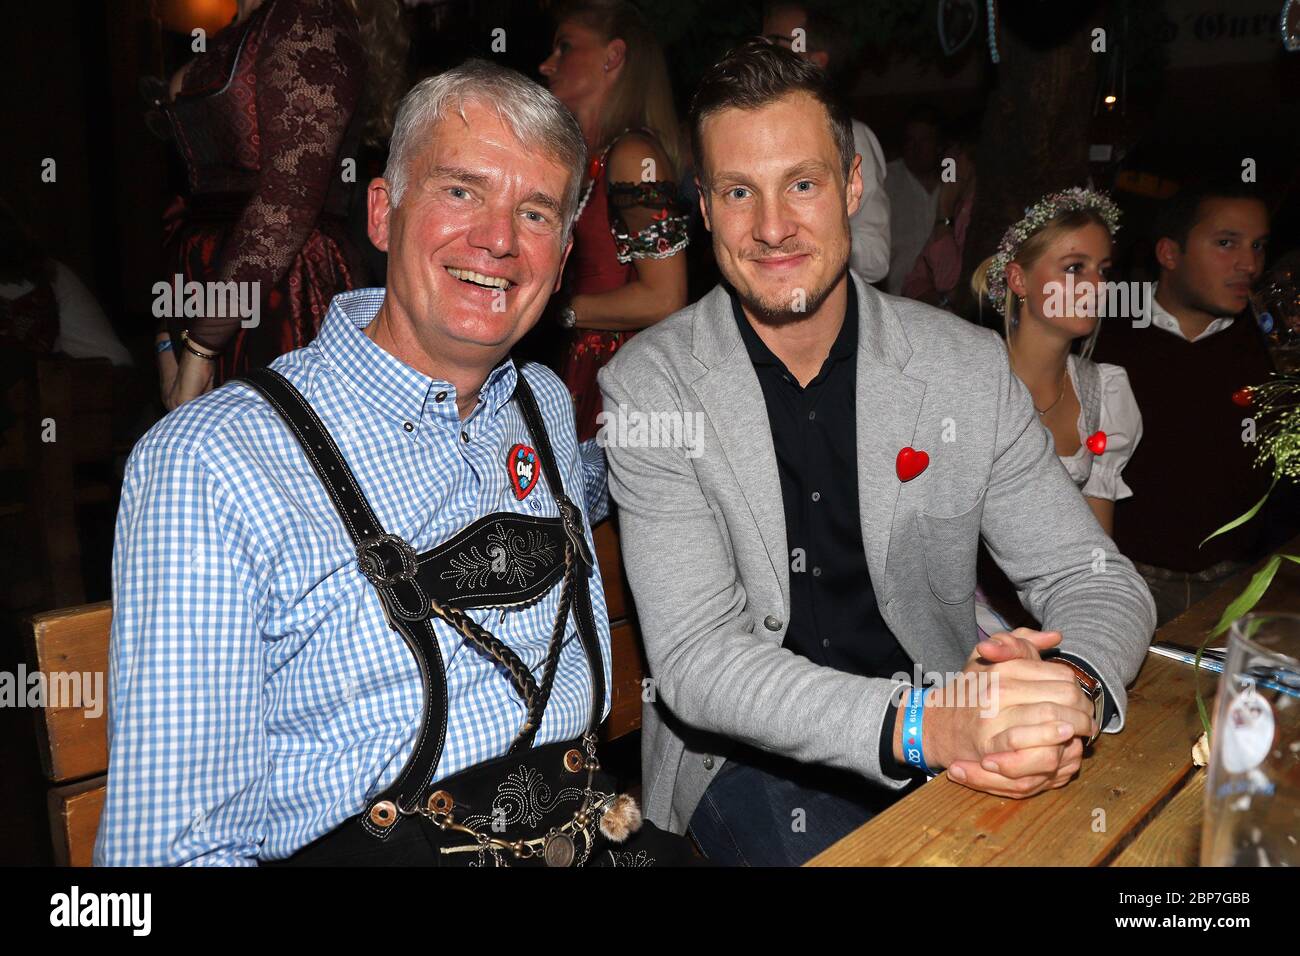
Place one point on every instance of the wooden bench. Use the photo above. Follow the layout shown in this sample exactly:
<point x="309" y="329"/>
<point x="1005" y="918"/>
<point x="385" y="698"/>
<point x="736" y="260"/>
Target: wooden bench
<point x="74" y="748"/>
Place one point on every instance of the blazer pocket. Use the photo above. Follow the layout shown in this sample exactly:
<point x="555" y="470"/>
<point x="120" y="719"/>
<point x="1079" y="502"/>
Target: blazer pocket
<point x="951" y="547"/>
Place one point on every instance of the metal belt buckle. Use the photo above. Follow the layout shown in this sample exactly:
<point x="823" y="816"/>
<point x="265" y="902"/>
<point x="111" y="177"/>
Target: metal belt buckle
<point x="372" y="565"/>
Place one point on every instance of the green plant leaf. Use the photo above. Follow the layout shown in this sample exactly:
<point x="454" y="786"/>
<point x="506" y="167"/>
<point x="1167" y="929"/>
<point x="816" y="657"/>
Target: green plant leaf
<point x="1248" y="598"/>
<point x="1242" y="519"/>
<point x="1244" y="601"/>
<point x="1200" y="703"/>
<point x="1201" y="710"/>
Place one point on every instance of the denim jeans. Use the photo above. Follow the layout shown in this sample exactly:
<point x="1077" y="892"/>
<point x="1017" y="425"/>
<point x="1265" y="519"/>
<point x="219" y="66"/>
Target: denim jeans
<point x="762" y="810"/>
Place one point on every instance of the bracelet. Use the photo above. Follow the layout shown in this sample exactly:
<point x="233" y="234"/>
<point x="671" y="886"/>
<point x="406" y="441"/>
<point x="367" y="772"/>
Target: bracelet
<point x="163" y="345"/>
<point x="185" y="344"/>
<point x="913" y="753"/>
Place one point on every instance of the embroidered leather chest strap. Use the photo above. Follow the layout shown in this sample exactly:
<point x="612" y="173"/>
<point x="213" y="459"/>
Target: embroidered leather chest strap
<point x="519" y="569"/>
<point x="388" y="562"/>
<point x="573" y="526"/>
<point x="501" y="560"/>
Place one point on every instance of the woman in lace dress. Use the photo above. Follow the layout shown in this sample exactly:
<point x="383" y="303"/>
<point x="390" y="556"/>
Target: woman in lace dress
<point x="264" y="120"/>
<point x="626" y="270"/>
<point x="1046" y="281"/>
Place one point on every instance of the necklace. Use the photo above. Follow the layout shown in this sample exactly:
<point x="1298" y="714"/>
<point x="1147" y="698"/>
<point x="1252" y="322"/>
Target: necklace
<point x="1061" y="395"/>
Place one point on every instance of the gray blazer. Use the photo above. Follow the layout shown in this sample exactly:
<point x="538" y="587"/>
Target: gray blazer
<point x="703" y="531"/>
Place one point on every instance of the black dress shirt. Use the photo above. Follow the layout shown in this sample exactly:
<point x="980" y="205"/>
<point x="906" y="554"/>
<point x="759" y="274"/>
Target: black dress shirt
<point x="834" y="618"/>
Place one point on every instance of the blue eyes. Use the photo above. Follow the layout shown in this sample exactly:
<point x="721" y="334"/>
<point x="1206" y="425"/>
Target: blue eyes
<point x="742" y="192"/>
<point x="532" y="215"/>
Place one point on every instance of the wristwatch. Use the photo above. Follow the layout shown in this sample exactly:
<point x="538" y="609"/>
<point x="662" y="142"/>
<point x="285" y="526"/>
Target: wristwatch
<point x="1091" y="688"/>
<point x="567" y="317"/>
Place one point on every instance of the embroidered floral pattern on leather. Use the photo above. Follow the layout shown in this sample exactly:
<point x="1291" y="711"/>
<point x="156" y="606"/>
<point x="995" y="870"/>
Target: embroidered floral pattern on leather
<point x="628" y="858"/>
<point x="523" y="797"/>
<point x="514" y="558"/>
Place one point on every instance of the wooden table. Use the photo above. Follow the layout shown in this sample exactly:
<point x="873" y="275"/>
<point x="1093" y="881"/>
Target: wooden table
<point x="1136" y="801"/>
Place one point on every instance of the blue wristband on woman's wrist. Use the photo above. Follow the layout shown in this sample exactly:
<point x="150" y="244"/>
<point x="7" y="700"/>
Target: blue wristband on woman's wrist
<point x="912" y="715"/>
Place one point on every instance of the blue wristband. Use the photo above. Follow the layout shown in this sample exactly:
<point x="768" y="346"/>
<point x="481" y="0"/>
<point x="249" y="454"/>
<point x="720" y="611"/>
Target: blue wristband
<point x="913" y="717"/>
<point x="162" y="345"/>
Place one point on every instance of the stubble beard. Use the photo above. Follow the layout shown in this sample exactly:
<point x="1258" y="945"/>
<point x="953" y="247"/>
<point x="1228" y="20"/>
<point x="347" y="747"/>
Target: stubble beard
<point x="781" y="311"/>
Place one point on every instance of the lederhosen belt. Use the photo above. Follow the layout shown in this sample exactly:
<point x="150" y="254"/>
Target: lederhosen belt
<point x="530" y="804"/>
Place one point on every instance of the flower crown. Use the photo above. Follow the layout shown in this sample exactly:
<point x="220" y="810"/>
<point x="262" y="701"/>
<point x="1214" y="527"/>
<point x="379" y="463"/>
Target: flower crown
<point x="1037" y="216"/>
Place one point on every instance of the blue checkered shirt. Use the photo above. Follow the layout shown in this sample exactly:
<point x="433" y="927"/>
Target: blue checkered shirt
<point x="257" y="697"/>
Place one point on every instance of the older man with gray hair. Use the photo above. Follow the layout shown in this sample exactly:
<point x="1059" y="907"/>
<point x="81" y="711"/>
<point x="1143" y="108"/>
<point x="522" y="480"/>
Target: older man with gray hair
<point x="356" y="615"/>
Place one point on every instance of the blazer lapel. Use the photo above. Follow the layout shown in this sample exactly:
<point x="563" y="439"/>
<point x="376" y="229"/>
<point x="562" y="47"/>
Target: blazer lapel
<point x="888" y="409"/>
<point x="732" y="398"/>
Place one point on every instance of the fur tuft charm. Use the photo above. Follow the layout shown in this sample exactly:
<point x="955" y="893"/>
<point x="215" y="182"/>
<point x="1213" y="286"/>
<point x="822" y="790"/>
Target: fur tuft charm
<point x="621" y="819"/>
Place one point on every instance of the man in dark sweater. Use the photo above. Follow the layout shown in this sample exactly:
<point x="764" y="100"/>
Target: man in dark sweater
<point x="1188" y="363"/>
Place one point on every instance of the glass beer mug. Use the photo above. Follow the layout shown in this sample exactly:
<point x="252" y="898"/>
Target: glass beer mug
<point x="1252" y="793"/>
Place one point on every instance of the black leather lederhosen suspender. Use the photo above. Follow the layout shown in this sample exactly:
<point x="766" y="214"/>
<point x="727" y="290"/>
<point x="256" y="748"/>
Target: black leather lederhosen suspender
<point x="500" y="560"/>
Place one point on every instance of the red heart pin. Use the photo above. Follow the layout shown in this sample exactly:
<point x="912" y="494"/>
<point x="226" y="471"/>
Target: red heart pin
<point x="1097" y="443"/>
<point x="911" y="463"/>
<point x="521" y="463"/>
<point x="1243" y="397"/>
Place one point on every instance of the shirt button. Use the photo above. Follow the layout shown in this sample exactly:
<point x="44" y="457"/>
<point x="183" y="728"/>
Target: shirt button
<point x="440" y="397"/>
<point x="464" y="436"/>
<point x="816" y="496"/>
<point x="826" y="642"/>
<point x="708" y="762"/>
<point x="772" y="622"/>
<point x="817" y="572"/>
<point x="408" y="426"/>
<point x="812" y="416"/>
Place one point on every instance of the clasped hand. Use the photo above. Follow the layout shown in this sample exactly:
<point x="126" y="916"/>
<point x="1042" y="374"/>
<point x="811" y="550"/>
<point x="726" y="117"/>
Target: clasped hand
<point x="1025" y="731"/>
